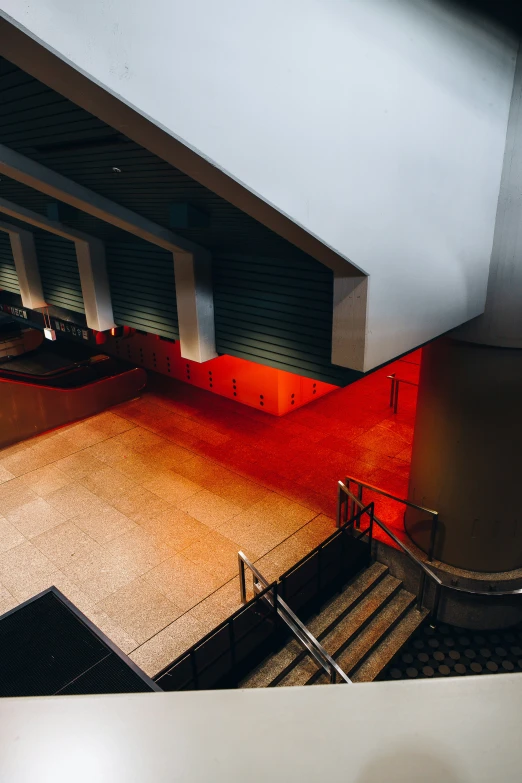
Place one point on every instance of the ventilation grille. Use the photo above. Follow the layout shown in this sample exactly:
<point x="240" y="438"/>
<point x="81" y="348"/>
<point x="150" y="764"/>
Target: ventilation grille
<point x="59" y="271"/>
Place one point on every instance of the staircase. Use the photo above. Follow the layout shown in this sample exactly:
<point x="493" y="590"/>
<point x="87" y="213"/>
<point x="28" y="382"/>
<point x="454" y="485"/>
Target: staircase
<point x="362" y="628"/>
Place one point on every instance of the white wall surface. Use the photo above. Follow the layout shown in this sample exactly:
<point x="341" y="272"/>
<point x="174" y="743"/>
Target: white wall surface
<point x="453" y="730"/>
<point x="377" y="125"/>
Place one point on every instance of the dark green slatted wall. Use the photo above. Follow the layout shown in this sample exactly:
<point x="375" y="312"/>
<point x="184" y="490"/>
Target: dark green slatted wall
<point x="143" y="291"/>
<point x="8" y="277"/>
<point x="278" y="313"/>
<point x="59" y="271"/>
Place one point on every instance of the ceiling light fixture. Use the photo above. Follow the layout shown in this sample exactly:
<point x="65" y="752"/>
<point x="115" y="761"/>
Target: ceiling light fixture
<point x="116" y="170"/>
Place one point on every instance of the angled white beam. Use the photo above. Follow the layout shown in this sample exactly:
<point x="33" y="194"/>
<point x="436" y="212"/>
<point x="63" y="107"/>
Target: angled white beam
<point x="41" y="178"/>
<point x="195" y="303"/>
<point x="196" y="314"/>
<point x="26" y="265"/>
<point x="90" y="254"/>
<point x="349" y="321"/>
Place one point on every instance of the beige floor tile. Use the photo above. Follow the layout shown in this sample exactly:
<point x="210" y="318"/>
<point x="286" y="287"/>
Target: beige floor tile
<point x="81" y="437"/>
<point x="139" y="439"/>
<point x="68" y="587"/>
<point x="109" y="451"/>
<point x="316" y="531"/>
<point x="140" y="609"/>
<point x="103" y="525"/>
<point x="108" y="483"/>
<point x="254" y="539"/>
<point x="137" y="467"/>
<point x="277" y="510"/>
<point x="218" y="606"/>
<point x="100" y="572"/>
<point x="182" y="581"/>
<point x="168" y="644"/>
<point x="5" y="475"/>
<point x="282" y="557"/>
<point x="10" y="536"/>
<point x="79" y="465"/>
<point x="205" y="472"/>
<point x="7" y="601"/>
<point x="25" y="571"/>
<point x="139" y="550"/>
<point x="14" y="494"/>
<point x="216" y="554"/>
<point x="34" y="517"/>
<point x="140" y="504"/>
<point x="24" y="461"/>
<point x="64" y="543"/>
<point x="172" y="487"/>
<point x="167" y="456"/>
<point x="106" y="625"/>
<point x="141" y="412"/>
<point x="110" y="424"/>
<point x="175" y="528"/>
<point x="9" y="450"/>
<point x="240" y="491"/>
<point x="75" y="499"/>
<point x="54" y="448"/>
<point x="46" y="480"/>
<point x="209" y="508"/>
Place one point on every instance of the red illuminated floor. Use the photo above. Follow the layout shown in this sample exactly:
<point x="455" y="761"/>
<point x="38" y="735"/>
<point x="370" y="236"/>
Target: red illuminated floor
<point x="351" y="431"/>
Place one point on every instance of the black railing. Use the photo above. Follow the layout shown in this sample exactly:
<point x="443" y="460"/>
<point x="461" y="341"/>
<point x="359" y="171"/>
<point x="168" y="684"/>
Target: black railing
<point x="328" y="567"/>
<point x="394" y="390"/>
<point x="225" y="655"/>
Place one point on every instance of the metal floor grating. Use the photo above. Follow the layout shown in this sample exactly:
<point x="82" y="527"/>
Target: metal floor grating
<point x="449" y="651"/>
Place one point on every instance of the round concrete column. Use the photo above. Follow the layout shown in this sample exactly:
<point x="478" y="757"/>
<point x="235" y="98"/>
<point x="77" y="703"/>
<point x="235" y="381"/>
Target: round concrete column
<point x="467" y="455"/>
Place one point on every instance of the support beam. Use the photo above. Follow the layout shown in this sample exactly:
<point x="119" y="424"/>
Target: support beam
<point x="193" y="278"/>
<point x="195" y="302"/>
<point x="90" y="254"/>
<point x="26" y="265"/>
<point x="35" y="175"/>
<point x="349" y="321"/>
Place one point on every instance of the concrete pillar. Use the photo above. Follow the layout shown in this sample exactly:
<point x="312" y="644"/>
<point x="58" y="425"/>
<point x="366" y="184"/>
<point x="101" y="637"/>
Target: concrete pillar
<point x="467" y="449"/>
<point x="195" y="303"/>
<point x="467" y="455"/>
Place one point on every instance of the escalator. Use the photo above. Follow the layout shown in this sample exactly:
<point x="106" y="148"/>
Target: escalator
<point x="45" y="384"/>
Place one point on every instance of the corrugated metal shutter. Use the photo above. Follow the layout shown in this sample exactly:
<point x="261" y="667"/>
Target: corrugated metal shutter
<point x="59" y="271"/>
<point x="8" y="277"/>
<point x="141" y="277"/>
<point x="277" y="312"/>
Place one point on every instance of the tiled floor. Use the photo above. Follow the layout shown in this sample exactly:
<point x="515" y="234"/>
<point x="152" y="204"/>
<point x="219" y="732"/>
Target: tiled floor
<point x="137" y="514"/>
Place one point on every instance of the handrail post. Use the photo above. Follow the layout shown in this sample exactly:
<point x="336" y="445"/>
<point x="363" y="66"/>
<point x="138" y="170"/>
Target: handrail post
<point x="359" y="498"/>
<point x="340" y="499"/>
<point x="370" y="537"/>
<point x="433" y="537"/>
<point x="422" y="585"/>
<point x="436" y="602"/>
<point x="396" y="400"/>
<point x="392" y="389"/>
<point x="242" y="581"/>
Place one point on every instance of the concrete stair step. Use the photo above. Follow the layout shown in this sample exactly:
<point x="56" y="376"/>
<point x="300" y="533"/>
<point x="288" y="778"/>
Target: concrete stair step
<point x="353" y="655"/>
<point x="347" y="630"/>
<point x="391" y="644"/>
<point x="276" y="666"/>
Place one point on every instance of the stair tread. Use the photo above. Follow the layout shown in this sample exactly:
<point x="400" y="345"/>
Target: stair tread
<point x="352" y="655"/>
<point x="351" y="594"/>
<point x="393" y="642"/>
<point x="348" y="629"/>
<point x="272" y="667"/>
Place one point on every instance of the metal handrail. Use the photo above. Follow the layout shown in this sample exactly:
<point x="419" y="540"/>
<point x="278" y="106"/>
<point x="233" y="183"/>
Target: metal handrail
<point x="394" y="389"/>
<point x="300" y="631"/>
<point x="426" y="571"/>
<point x="434" y="514"/>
